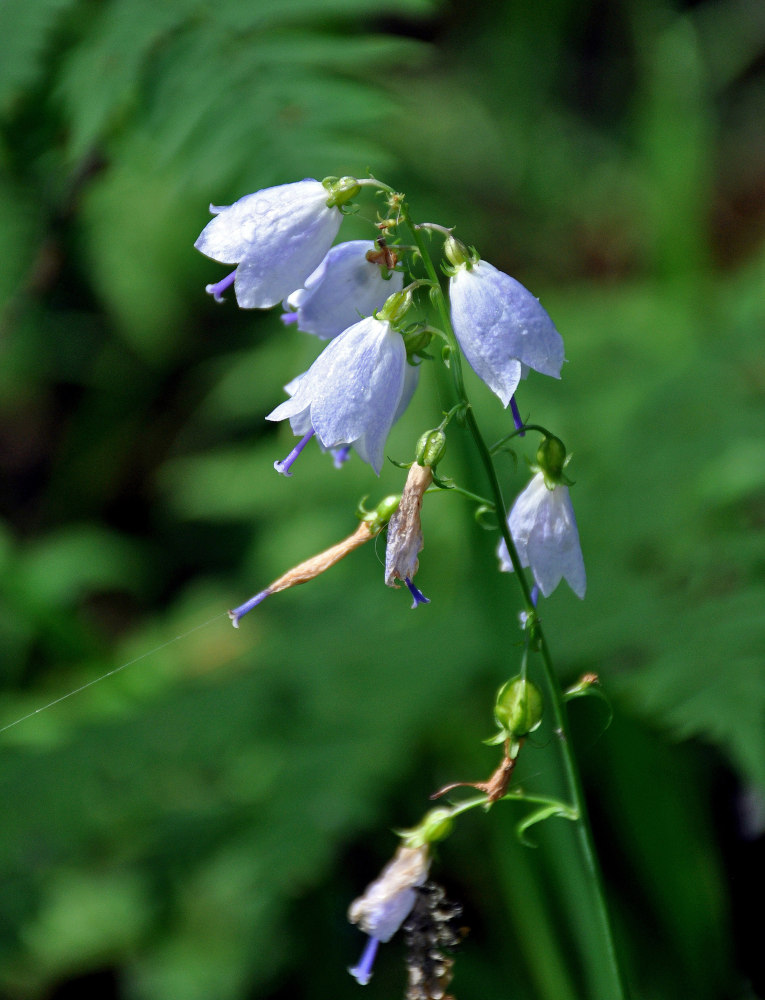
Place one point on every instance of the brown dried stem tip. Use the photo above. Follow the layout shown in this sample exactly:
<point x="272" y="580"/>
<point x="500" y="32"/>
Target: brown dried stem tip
<point x="495" y="787"/>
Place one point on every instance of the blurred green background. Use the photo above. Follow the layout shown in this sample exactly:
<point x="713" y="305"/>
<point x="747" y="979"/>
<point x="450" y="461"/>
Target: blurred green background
<point x="195" y="825"/>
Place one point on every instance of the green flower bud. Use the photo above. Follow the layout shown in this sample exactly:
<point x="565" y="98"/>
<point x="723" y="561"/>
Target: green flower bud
<point x="341" y="190"/>
<point x="518" y="708"/>
<point x="435" y="825"/>
<point x="431" y="447"/>
<point x="551" y="458"/>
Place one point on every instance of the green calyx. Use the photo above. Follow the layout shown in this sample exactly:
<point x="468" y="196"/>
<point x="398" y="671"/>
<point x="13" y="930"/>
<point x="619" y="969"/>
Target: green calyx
<point x="551" y="460"/>
<point x="378" y="517"/>
<point x="431" y="447"/>
<point x="341" y="190"/>
<point x="458" y="255"/>
<point x="435" y="825"/>
<point x="518" y="708"/>
<point x="395" y="307"/>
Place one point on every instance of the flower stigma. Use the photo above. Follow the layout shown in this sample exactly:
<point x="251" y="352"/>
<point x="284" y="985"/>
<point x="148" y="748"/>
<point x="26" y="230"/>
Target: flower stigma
<point x="283" y="467"/>
<point x="220" y="287"/>
<point x="362" y="972"/>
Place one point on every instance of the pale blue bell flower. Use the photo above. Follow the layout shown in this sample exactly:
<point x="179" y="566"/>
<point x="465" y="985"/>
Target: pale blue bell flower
<point x="543" y="528"/>
<point x="343" y="289"/>
<point x="502" y="328"/>
<point x="301" y="424"/>
<point x="277" y="237"/>
<point x="352" y="393"/>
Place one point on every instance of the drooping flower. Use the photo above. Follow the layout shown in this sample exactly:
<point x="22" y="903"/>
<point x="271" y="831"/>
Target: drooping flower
<point x="543" y="528"/>
<point x="276" y="236"/>
<point x="301" y="423"/>
<point x="387" y="902"/>
<point x="352" y="393"/>
<point x="343" y="289"/>
<point x="501" y="327"/>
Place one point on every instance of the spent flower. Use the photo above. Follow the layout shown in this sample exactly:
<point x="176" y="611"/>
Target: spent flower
<point x="387" y="902"/>
<point x="405" y="540"/>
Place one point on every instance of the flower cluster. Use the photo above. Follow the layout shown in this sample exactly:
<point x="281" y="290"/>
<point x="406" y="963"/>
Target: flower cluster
<point x="352" y="296"/>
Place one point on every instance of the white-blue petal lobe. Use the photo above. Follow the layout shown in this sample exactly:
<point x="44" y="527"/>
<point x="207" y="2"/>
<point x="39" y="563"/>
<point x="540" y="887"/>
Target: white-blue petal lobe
<point x="554" y="552"/>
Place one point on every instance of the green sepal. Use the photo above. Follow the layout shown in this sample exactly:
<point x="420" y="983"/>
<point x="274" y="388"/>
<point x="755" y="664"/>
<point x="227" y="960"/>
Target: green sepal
<point x="496" y="739"/>
<point x="443" y="484"/>
<point x="435" y="825"/>
<point x="590" y="689"/>
<point x="542" y="813"/>
<point x="378" y="517"/>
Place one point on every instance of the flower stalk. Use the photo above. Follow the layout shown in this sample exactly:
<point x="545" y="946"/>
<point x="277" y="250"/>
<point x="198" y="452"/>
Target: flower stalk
<point x="607" y="972"/>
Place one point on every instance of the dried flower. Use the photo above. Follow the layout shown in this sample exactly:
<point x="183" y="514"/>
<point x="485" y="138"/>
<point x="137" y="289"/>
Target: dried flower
<point x="386" y="903"/>
<point x="405" y="533"/>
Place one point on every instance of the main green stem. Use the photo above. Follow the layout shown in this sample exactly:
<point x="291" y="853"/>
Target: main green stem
<point x="560" y="720"/>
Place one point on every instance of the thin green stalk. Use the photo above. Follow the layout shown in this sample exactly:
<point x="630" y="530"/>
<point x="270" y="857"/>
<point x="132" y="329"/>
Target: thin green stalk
<point x="609" y="963"/>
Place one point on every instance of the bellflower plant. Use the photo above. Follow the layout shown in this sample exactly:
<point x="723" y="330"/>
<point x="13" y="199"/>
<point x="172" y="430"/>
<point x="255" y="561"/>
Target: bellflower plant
<point x="281" y="241"/>
<point x="346" y="287"/>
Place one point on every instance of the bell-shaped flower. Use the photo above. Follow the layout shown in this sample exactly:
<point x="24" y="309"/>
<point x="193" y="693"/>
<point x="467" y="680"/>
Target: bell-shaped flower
<point x="301" y="423"/>
<point x="543" y="528"/>
<point x="387" y="902"/>
<point x="276" y="236"/>
<point x="343" y="289"/>
<point x="352" y="393"/>
<point x="501" y="327"/>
